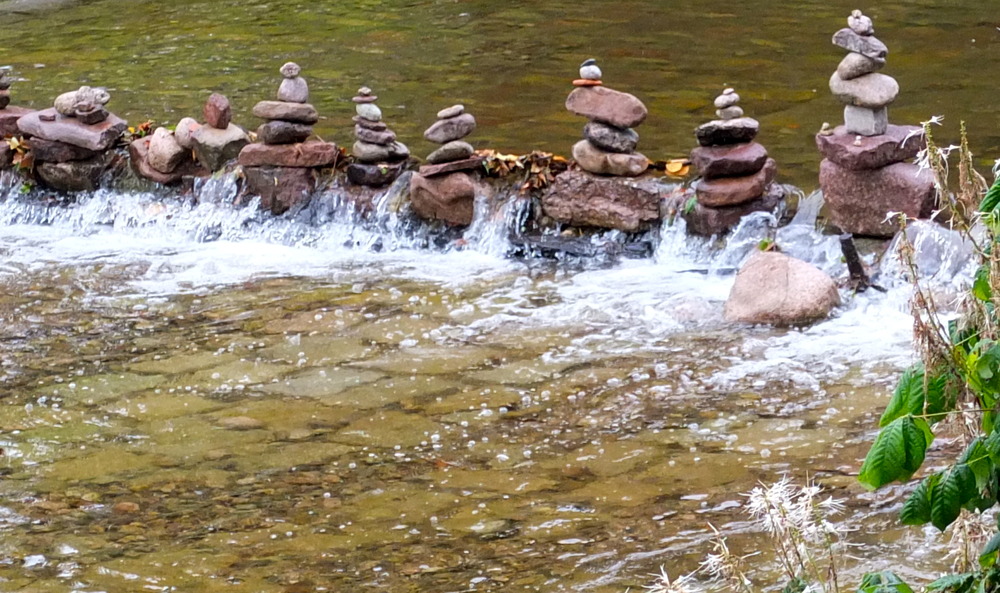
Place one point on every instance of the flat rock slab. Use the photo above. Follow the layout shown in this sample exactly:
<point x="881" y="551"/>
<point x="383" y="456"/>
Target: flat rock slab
<point x="73" y="176"/>
<point x="733" y="191"/>
<point x="708" y="222"/>
<point x="859" y="200"/>
<point x="470" y="164"/>
<point x="450" y="198"/>
<point x="777" y="289"/>
<point x="98" y="137"/>
<point x="138" y="152"/>
<point x="8" y="120"/>
<point x="583" y="199"/>
<point x="314" y="154"/>
<point x="302" y="113"/>
<point x="866" y="45"/>
<point x="871" y="152"/>
<point x="873" y="90"/>
<point x="722" y="132"/>
<point x="734" y="160"/>
<point x="374" y="175"/>
<point x="50" y="151"/>
<point x="283" y="132"/>
<point x="280" y="188"/>
<point x="600" y="103"/>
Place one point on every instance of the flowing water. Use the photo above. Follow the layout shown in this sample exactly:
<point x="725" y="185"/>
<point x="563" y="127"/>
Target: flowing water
<point x="198" y="397"/>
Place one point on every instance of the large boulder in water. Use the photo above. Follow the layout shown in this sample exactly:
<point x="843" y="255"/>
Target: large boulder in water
<point x="859" y="201"/>
<point x="583" y="199"/>
<point x="777" y="289"/>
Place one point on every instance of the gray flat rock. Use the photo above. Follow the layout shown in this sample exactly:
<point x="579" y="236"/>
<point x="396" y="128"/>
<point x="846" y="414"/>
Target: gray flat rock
<point x="97" y="137"/>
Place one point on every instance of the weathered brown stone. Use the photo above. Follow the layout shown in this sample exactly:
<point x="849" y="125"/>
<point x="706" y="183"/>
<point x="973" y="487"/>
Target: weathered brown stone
<point x="58" y="152"/>
<point x="858" y="201"/>
<point x="8" y="120"/>
<point x="218" y="113"/>
<point x="732" y="191"/>
<point x="470" y="164"/>
<point x="451" y="129"/>
<point x="706" y="222"/>
<point x="302" y="113"/>
<point x="378" y="126"/>
<point x="601" y="162"/>
<point x="871" y="152"/>
<point x="776" y="289"/>
<point x="280" y="188"/>
<point x="583" y="199"/>
<point x="138" y="159"/>
<point x="283" y="132"/>
<point x="306" y="154"/>
<point x="383" y="137"/>
<point x="73" y="175"/>
<point x="607" y="105"/>
<point x="165" y="153"/>
<point x="734" y="160"/>
<point x="450" y="198"/>
<point x="96" y="137"/>
<point x="373" y="175"/>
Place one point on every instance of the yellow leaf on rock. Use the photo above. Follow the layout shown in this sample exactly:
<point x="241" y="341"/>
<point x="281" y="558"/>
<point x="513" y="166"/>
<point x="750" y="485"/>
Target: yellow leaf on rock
<point x="678" y="167"/>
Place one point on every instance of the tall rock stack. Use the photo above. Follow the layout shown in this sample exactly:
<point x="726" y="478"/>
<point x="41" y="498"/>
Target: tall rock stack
<point x="71" y="141"/>
<point x="282" y="170"/>
<point x="443" y="189"/>
<point x="737" y="177"/>
<point x="609" y="143"/>
<point x="379" y="157"/>
<point x="865" y="173"/>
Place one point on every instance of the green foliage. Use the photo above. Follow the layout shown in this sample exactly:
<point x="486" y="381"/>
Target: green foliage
<point x="898" y="452"/>
<point x="883" y="582"/>
<point x="690" y="204"/>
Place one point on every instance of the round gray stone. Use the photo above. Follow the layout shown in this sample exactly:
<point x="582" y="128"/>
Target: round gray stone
<point x="452" y="151"/>
<point x="369" y="111"/>
<point x="453" y="111"/>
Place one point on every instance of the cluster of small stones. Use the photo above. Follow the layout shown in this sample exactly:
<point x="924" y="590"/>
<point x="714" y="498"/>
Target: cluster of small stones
<point x="737" y="177"/>
<point x="866" y="172"/>
<point x="609" y="143"/>
<point x="444" y="189"/>
<point x="378" y="157"/>
<point x="282" y="168"/>
<point x="71" y="140"/>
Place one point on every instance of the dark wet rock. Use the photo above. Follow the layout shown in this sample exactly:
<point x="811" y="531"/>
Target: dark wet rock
<point x="593" y="159"/>
<point x="306" y="154"/>
<point x="59" y="152"/>
<point x="378" y="126"/>
<point x="871" y="90"/>
<point x="138" y="159"/>
<point x="451" y="129"/>
<point x="214" y="147"/>
<point x="722" y="132"/>
<point x="280" y="188"/>
<point x="6" y="156"/>
<point x="4" y="98"/>
<point x="383" y="137"/>
<point x="97" y="137"/>
<point x="218" y="113"/>
<point x="283" y="132"/>
<point x="456" y="150"/>
<point x="865" y="45"/>
<point x="734" y="160"/>
<point x="776" y="289"/>
<point x="859" y="200"/>
<point x="450" y="198"/>
<point x="8" y="121"/>
<point x="732" y="191"/>
<point x="469" y="164"/>
<point x="705" y="221"/>
<point x="374" y="175"/>
<point x="611" y="138"/>
<point x="579" y="198"/>
<point x="302" y="113"/>
<point x="871" y="152"/>
<point x="165" y="154"/>
<point x="606" y="105"/>
<point x="73" y="175"/>
<point x="854" y="65"/>
<point x="90" y="114"/>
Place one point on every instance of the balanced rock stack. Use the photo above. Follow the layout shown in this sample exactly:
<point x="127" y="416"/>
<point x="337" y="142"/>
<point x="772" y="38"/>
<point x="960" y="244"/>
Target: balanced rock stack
<point x="71" y="140"/>
<point x="864" y="175"/>
<point x="609" y="143"/>
<point x="443" y="189"/>
<point x="218" y="140"/>
<point x="282" y="170"/>
<point x="737" y="177"/>
<point x="379" y="157"/>
<point x="162" y="158"/>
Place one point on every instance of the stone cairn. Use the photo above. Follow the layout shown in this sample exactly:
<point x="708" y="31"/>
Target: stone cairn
<point x="379" y="157"/>
<point x="445" y="189"/>
<point x="737" y="177"/>
<point x="608" y="147"/>
<point x="71" y="141"/>
<point x="864" y="174"/>
<point x="8" y="120"/>
<point x="218" y="140"/>
<point x="595" y="196"/>
<point x="283" y="169"/>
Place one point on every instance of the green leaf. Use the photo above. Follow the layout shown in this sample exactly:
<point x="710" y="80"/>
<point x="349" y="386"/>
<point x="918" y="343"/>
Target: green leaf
<point x="908" y="399"/>
<point x="954" y="583"/>
<point x="991" y="200"/>
<point x="795" y="585"/>
<point x="917" y="508"/>
<point x="883" y="582"/>
<point x="979" y="460"/>
<point x="897" y="453"/>
<point x="981" y="288"/>
<point x="956" y="487"/>
<point x="988" y="557"/>
<point x="690" y="204"/>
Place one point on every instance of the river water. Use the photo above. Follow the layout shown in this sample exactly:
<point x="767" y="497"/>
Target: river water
<point x="196" y="397"/>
